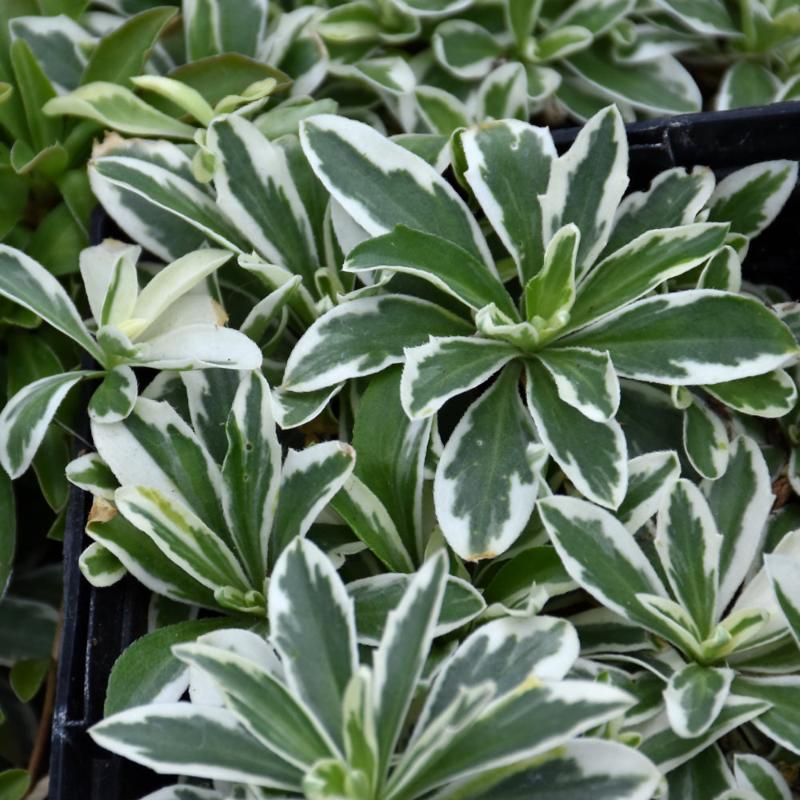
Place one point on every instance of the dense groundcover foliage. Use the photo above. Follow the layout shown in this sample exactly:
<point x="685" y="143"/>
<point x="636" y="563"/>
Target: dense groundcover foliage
<point x="456" y="468"/>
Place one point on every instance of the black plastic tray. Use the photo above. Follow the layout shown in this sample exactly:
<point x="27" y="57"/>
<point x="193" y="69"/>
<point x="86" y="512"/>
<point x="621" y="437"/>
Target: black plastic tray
<point x="100" y="624"/>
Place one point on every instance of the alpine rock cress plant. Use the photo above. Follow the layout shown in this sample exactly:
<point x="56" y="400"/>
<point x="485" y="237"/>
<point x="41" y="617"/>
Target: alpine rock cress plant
<point x="597" y="303"/>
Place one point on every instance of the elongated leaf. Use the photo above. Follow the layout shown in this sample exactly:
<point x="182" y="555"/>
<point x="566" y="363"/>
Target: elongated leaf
<point x="501" y="736"/>
<point x="694" y="697"/>
<point x="691" y="337"/>
<point x="256" y="190"/>
<point x="705" y="439"/>
<point x="312" y="624"/>
<point x="593" y="768"/>
<point x="597" y="165"/>
<point x="310" y="479"/>
<point x="740" y="501"/>
<point x="747" y="84"/>
<point x="210" y="394"/>
<point x="704" y="16"/>
<point x="549" y="295"/>
<point x="660" y="86"/>
<point x="507" y="651"/>
<point x="382" y="185"/>
<point x="28" y="283"/>
<point x="707" y="771"/>
<point x="8" y="532"/>
<point x="118" y="108"/>
<point x="446" y="367"/>
<point x="182" y="537"/>
<point x="592" y="454"/>
<point x="585" y="379"/>
<point x="155" y="447"/>
<point x="784" y="572"/>
<point x="602" y="557"/>
<point x="650" y="479"/>
<point x="199" y="346"/>
<point x="487" y="479"/>
<point x="261" y="703"/>
<point x="446" y="265"/>
<point x="251" y="473"/>
<point x="781" y="722"/>
<point x="751" y="198"/>
<point x="638" y="267"/>
<point x="147" y="672"/>
<point x="756" y="773"/>
<point x="400" y="656"/>
<point x="675" y="197"/>
<point x="210" y="28"/>
<point x="723" y="272"/>
<point x="377" y="595"/>
<point x="392" y="465"/>
<point x="770" y="395"/>
<point x="364" y="336"/>
<point x="181" y="738"/>
<point x="26" y="417"/>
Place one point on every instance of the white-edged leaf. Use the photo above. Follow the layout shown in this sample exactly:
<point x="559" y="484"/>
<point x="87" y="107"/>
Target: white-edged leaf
<point x="770" y="395"/>
<point x="90" y="473"/>
<point x="781" y="722"/>
<point x="756" y="773"/>
<point x="694" y="697"/>
<point x="487" y="479"/>
<point x="100" y="566"/>
<point x="784" y="572"/>
<point x="312" y="623"/>
<point x="363" y="337"/>
<point x="114" y="399"/>
<point x="109" y="278"/>
<point x="503" y="93"/>
<point x="465" y="49"/>
<point x="705" y="439"/>
<point x="593" y="455"/>
<point x="650" y="478"/>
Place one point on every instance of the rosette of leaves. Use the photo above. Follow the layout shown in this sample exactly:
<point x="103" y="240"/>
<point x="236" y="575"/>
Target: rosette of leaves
<point x="308" y="714"/>
<point x="711" y="593"/>
<point x="164" y="326"/>
<point x="507" y="59"/>
<point x="748" y="50"/>
<point x="595" y="304"/>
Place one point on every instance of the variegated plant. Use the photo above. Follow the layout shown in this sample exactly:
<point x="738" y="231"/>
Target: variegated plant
<point x="166" y="325"/>
<point x="716" y="656"/>
<point x="306" y="714"/>
<point x="639" y="290"/>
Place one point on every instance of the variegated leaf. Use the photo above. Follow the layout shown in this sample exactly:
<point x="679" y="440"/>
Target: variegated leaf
<point x="550" y="294"/>
<point x="114" y="399"/>
<point x="312" y="623"/>
<point x="503" y="93"/>
<point x="109" y="278"/>
<point x="650" y="479"/>
<point x="212" y="27"/>
<point x="756" y="773"/>
<point x="487" y="479"/>
<point x="446" y="367"/>
<point x="100" y="566"/>
<point x="705" y="439"/>
<point x="694" y="698"/>
<point x="363" y="337"/>
<point x="465" y="49"/>
<point x="770" y="395"/>
<point x="598" y="159"/>
<point x="781" y="722"/>
<point x="382" y="185"/>
<point x="90" y="473"/>
<point x="593" y="455"/>
<point x="784" y="572"/>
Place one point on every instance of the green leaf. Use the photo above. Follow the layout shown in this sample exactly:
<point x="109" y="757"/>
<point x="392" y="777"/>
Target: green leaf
<point x="740" y="501"/>
<point x="26" y="417"/>
<point x="750" y="198"/>
<point x="392" y="465"/>
<point x="675" y="197"/>
<point x="747" y="84"/>
<point x="661" y="86"/>
<point x="595" y="15"/>
<point x="309" y="481"/>
<point x="122" y="53"/>
<point x="256" y="191"/>
<point x="364" y="336"/>
<point x="705" y="439"/>
<point x="444" y="264"/>
<point x="771" y="395"/>
<point x="185" y="97"/>
<point x="521" y="17"/>
<point x="487" y="479"/>
<point x="210" y="394"/>
<point x="781" y="722"/>
<point x="312" y="624"/>
<point x="707" y="771"/>
<point x="593" y="455"/>
<point x="603" y="558"/>
<point x="692" y="337"/>
<point x="24" y="281"/>
<point x="114" y="399"/>
<point x="27" y="676"/>
<point x="261" y="703"/>
<point x="14" y="784"/>
<point x="756" y="773"/>
<point x="425" y="8"/>
<point x="154" y="447"/>
<point x="382" y="185"/>
<point x="176" y="738"/>
<point x="503" y="93"/>
<point x="441" y="111"/>
<point x="376" y="595"/>
<point x="182" y="537"/>
<point x="8" y="532"/>
<point x="251" y="473"/>
<point x="710" y="17"/>
<point x="723" y="272"/>
<point x="446" y="367"/>
<point x="116" y="107"/>
<point x="783" y="572"/>
<point x="603" y="770"/>
<point x="550" y="294"/>
<point x="694" y="698"/>
<point x="400" y="657"/>
<point x="100" y="566"/>
<point x="642" y="265"/>
<point x="465" y="49"/>
<point x="585" y="379"/>
<point x="27" y="629"/>
<point x="35" y="90"/>
<point x="596" y="165"/>
<point x="211" y="28"/>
